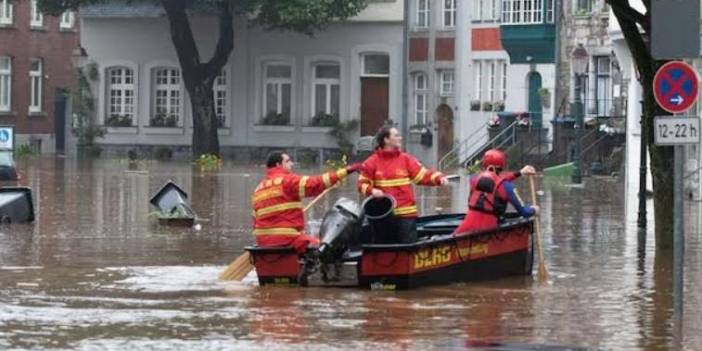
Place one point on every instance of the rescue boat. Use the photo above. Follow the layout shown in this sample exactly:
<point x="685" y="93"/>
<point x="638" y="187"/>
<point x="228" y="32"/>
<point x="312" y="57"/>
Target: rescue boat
<point x="347" y="256"/>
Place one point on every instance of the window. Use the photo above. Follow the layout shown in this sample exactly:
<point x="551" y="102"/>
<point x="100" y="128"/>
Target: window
<point x="478" y="79"/>
<point x="326" y="85"/>
<point x="5" y="11"/>
<point x="423" y="14"/>
<point x="503" y="94"/>
<point x="220" y="98"/>
<point x="526" y="11"/>
<point x="583" y="7"/>
<point x="35" y="78"/>
<point x="67" y="20"/>
<point x="449" y="13"/>
<point x="277" y="90"/>
<point x="493" y="80"/>
<point x="5" y="83"/>
<point x="495" y="15"/>
<point x="420" y="98"/>
<point x="603" y="85"/>
<point x="166" y="93"/>
<point x="36" y="18"/>
<point x="376" y="65"/>
<point x="447" y="78"/>
<point x="120" y="92"/>
<point x="549" y="11"/>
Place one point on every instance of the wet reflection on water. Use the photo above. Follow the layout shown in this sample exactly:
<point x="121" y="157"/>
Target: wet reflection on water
<point x="95" y="273"/>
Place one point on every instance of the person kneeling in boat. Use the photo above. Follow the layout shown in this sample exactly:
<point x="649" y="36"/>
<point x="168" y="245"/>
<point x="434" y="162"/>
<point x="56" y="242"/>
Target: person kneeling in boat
<point x="277" y="202"/>
<point x="490" y="192"/>
<point x="391" y="171"/>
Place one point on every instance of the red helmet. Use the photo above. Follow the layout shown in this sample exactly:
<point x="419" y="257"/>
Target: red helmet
<point x="495" y="158"/>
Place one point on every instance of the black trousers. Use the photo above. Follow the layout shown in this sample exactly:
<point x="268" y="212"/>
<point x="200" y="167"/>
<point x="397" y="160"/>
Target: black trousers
<point x="395" y="231"/>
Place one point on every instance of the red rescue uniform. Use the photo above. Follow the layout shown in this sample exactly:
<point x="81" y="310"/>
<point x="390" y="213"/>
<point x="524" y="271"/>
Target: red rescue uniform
<point x="393" y="172"/>
<point x="277" y="206"/>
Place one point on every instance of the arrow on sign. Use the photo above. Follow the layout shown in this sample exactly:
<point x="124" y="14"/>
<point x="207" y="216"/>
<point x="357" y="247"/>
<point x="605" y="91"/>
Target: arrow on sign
<point x="678" y="100"/>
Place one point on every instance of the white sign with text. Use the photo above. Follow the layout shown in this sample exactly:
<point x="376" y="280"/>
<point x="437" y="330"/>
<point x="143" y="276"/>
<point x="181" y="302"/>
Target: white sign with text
<point x="669" y="130"/>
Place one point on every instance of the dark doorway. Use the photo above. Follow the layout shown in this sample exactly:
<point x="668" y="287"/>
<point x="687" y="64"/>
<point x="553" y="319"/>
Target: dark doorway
<point x="444" y="117"/>
<point x="374" y="104"/>
<point x="535" y="106"/>
<point x="60" y="110"/>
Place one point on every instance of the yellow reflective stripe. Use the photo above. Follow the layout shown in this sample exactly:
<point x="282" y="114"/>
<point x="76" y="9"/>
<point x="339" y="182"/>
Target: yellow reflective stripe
<point x="392" y="182"/>
<point x="303" y="182"/>
<point x="326" y="178"/>
<point x="434" y="176"/>
<point x="405" y="210"/>
<point x="277" y="231"/>
<point x="267" y="194"/>
<point x="418" y="178"/>
<point x="364" y="188"/>
<point x="278" y="208"/>
<point x="341" y="173"/>
<point x="278" y="181"/>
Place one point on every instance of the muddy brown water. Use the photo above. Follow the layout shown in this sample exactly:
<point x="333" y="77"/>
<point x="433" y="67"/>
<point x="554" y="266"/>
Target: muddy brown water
<point x="94" y="272"/>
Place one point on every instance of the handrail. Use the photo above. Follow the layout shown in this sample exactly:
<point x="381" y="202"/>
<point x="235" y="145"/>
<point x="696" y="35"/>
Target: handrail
<point x="510" y="128"/>
<point x="456" y="149"/>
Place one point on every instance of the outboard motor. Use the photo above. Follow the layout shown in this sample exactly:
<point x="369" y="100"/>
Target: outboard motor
<point x="339" y="228"/>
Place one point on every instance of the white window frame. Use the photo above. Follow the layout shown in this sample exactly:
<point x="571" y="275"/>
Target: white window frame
<point x="328" y="84"/>
<point x="523" y="11"/>
<point x="492" y="81"/>
<point x="125" y="90"/>
<point x="173" y="90"/>
<point x="426" y="11"/>
<point x="67" y="20"/>
<point x="220" y="95"/>
<point x="503" y="94"/>
<point x="36" y="18"/>
<point x="6" y="12"/>
<point x="478" y="79"/>
<point x="477" y="10"/>
<point x="279" y="83"/>
<point x="495" y="8"/>
<point x="35" y="85"/>
<point x="448" y="13"/>
<point x="377" y="75"/>
<point x="6" y="79"/>
<point x="421" y="96"/>
<point x="447" y="82"/>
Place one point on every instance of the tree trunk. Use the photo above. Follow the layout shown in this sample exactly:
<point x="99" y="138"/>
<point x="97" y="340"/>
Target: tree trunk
<point x="661" y="156"/>
<point x="199" y="77"/>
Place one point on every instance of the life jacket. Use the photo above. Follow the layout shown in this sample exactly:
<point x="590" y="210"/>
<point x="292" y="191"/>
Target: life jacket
<point x="486" y="195"/>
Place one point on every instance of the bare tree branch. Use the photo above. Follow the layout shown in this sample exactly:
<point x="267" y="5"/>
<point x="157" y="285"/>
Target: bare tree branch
<point x="625" y="10"/>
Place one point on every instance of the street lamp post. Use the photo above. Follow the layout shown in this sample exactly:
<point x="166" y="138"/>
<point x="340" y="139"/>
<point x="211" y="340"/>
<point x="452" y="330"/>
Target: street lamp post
<point x="579" y="61"/>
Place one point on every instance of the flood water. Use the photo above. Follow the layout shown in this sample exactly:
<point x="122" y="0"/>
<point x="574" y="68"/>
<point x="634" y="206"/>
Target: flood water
<point x="94" y="272"/>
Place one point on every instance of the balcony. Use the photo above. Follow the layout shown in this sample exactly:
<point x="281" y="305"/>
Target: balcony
<point x="528" y="32"/>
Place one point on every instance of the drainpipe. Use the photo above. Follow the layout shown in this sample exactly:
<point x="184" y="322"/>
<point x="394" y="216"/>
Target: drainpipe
<point x="405" y="59"/>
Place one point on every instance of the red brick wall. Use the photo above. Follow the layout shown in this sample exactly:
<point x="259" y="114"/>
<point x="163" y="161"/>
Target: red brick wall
<point x="54" y="47"/>
<point x="419" y="49"/>
<point x="445" y="48"/>
<point x="486" y="39"/>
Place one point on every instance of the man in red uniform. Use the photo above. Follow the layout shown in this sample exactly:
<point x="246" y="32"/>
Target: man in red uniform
<point x="391" y="171"/>
<point x="490" y="193"/>
<point x="277" y="202"/>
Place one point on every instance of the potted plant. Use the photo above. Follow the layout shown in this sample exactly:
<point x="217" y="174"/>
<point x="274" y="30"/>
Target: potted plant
<point x="324" y="120"/>
<point x="487" y="106"/>
<point x="164" y="120"/>
<point x="119" y="121"/>
<point x="475" y="105"/>
<point x="545" y="96"/>
<point x="498" y="106"/>
<point x="275" y="119"/>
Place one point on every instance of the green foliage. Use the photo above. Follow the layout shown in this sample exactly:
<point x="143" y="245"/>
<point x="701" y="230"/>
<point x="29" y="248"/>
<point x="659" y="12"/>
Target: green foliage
<point x="84" y="126"/>
<point x="336" y="164"/>
<point x="208" y="163"/>
<point x="474" y="168"/>
<point x="341" y="131"/>
<point x="275" y="119"/>
<point x="164" y="120"/>
<point x="324" y="120"/>
<point x="24" y="150"/>
<point x="119" y="121"/>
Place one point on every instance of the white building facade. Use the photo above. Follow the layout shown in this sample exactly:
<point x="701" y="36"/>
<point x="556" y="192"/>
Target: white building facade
<point x="270" y="91"/>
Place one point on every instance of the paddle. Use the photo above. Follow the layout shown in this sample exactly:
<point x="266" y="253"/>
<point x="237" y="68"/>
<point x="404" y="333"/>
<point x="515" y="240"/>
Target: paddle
<point x="543" y="274"/>
<point x="241" y="266"/>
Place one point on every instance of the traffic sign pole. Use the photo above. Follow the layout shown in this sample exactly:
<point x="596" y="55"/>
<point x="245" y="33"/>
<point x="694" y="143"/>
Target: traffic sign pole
<point x="678" y="242"/>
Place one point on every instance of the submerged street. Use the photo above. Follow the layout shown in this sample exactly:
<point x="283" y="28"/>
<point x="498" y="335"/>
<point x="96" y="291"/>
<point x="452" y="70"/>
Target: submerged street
<point x="94" y="272"/>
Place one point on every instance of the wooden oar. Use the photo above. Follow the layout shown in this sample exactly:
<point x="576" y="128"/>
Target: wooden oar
<point x="543" y="274"/>
<point x="241" y="266"/>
